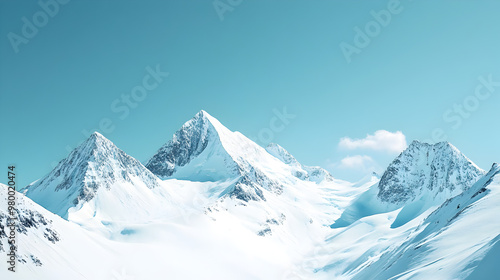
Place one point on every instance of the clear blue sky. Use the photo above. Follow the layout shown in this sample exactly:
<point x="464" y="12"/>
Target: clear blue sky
<point x="241" y="64"/>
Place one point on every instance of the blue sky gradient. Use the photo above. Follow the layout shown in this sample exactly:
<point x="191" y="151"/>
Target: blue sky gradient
<point x="241" y="65"/>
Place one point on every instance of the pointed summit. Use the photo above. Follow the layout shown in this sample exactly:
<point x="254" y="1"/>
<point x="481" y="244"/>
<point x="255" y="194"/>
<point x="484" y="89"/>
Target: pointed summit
<point x="439" y="170"/>
<point x="95" y="144"/>
<point x="190" y="141"/>
<point x="202" y="114"/>
<point x="96" y="164"/>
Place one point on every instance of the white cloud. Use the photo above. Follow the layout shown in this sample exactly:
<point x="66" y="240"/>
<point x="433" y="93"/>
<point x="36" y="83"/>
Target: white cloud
<point x="356" y="162"/>
<point x="381" y="140"/>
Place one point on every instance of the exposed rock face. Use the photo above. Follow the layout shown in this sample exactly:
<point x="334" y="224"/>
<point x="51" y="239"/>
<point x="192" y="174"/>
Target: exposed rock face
<point x="29" y="223"/>
<point x="439" y="170"/>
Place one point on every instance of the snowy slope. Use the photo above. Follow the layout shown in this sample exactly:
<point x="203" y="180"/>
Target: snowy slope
<point x="204" y="150"/>
<point x="452" y="241"/>
<point x="51" y="248"/>
<point x="109" y="194"/>
<point x="48" y="246"/>
<point x="263" y="195"/>
<point x="426" y="238"/>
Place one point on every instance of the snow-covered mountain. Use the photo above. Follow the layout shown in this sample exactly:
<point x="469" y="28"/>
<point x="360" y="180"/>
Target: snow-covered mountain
<point x="421" y="177"/>
<point x="198" y="143"/>
<point x="264" y="192"/>
<point x="99" y="181"/>
<point x="205" y="150"/>
<point x="454" y="238"/>
<point x="213" y="200"/>
<point x="445" y="242"/>
<point x="440" y="171"/>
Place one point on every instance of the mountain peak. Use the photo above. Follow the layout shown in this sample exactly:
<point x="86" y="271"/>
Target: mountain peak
<point x="96" y="134"/>
<point x="96" y="163"/>
<point x="203" y="114"/>
<point x="95" y="141"/>
<point x="439" y="170"/>
<point x="187" y="143"/>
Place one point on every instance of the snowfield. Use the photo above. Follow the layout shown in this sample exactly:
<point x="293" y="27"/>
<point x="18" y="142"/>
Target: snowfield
<point x="212" y="204"/>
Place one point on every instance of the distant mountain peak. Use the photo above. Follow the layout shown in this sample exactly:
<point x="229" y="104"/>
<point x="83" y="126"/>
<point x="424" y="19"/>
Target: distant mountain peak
<point x="440" y="170"/>
<point x="308" y="173"/>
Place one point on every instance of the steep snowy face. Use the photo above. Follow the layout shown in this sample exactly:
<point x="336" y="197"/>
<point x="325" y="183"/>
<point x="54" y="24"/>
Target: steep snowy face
<point x="198" y="135"/>
<point x="30" y="225"/>
<point x="308" y="173"/>
<point x="95" y="164"/>
<point x="439" y="170"/>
